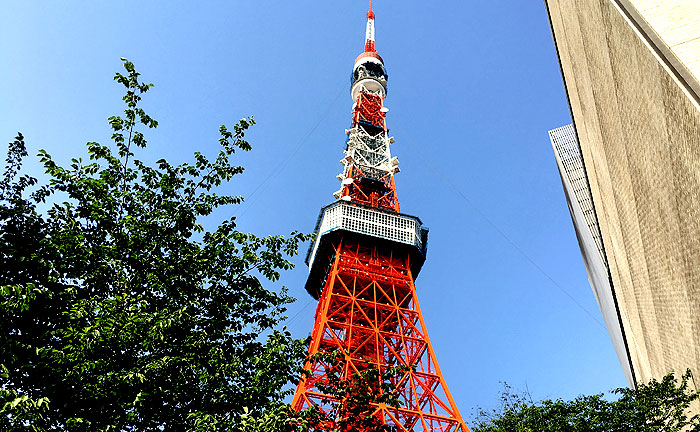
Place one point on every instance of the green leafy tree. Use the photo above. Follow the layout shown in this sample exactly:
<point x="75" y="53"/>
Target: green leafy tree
<point x="659" y="406"/>
<point x="358" y="398"/>
<point x="119" y="310"/>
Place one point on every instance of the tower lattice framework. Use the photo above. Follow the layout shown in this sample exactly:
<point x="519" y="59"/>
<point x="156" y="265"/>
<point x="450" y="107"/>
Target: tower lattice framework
<point x="362" y="268"/>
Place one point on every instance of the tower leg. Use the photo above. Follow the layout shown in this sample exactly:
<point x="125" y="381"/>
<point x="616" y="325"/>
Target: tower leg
<point x="368" y="312"/>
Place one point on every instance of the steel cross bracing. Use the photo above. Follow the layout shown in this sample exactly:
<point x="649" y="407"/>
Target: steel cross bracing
<point x="368" y="174"/>
<point x="362" y="268"/>
<point x="369" y="311"/>
<point x="370" y="151"/>
<point x="368" y="156"/>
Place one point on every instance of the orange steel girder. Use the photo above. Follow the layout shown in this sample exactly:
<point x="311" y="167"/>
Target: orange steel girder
<point x="384" y="198"/>
<point x="369" y="109"/>
<point x="368" y="310"/>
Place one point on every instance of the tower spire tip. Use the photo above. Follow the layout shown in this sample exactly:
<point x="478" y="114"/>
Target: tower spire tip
<point x="369" y="36"/>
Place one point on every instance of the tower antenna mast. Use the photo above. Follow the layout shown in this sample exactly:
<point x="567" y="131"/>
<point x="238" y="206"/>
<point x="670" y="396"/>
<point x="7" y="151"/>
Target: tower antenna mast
<point x="369" y="34"/>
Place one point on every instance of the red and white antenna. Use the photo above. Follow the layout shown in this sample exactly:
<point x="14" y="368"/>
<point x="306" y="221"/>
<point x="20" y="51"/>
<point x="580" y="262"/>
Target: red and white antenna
<point x="369" y="34"/>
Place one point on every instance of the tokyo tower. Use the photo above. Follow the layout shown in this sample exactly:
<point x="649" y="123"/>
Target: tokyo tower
<point x="362" y="268"/>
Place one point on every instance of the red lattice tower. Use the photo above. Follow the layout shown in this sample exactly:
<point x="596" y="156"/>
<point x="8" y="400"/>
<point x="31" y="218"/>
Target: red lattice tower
<point x="362" y="268"/>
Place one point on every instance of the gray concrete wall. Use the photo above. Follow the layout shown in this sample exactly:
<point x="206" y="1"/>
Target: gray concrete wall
<point x="639" y="128"/>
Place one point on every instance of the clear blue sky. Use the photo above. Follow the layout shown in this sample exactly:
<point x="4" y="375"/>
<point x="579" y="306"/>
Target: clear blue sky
<point x="473" y="88"/>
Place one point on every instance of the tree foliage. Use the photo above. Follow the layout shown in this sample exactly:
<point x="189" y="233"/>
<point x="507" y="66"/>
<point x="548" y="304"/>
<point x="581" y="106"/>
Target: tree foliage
<point x="119" y="309"/>
<point x="659" y="406"/>
<point x="358" y="397"/>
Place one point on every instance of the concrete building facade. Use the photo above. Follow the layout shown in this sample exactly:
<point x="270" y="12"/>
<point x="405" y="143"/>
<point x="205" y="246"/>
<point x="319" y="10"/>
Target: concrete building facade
<point x="578" y="196"/>
<point x="631" y="68"/>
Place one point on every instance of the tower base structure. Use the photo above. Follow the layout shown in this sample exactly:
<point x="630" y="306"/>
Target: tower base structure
<point x="368" y="312"/>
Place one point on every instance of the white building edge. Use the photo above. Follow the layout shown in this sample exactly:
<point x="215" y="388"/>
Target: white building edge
<point x="578" y="196"/>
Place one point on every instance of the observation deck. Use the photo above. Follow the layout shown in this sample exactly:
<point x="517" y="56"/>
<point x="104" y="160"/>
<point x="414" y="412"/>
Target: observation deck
<point x="345" y="218"/>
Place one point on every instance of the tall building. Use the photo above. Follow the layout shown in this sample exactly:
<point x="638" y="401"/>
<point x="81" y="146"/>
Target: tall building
<point x="631" y="69"/>
<point x="578" y="196"/>
<point x="362" y="268"/>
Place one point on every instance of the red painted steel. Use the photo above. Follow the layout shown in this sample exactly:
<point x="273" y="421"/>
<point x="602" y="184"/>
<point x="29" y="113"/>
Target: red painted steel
<point x="369" y="110"/>
<point x="369" y="116"/>
<point x="369" y="310"/>
<point x="369" y="44"/>
<point x="381" y="194"/>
